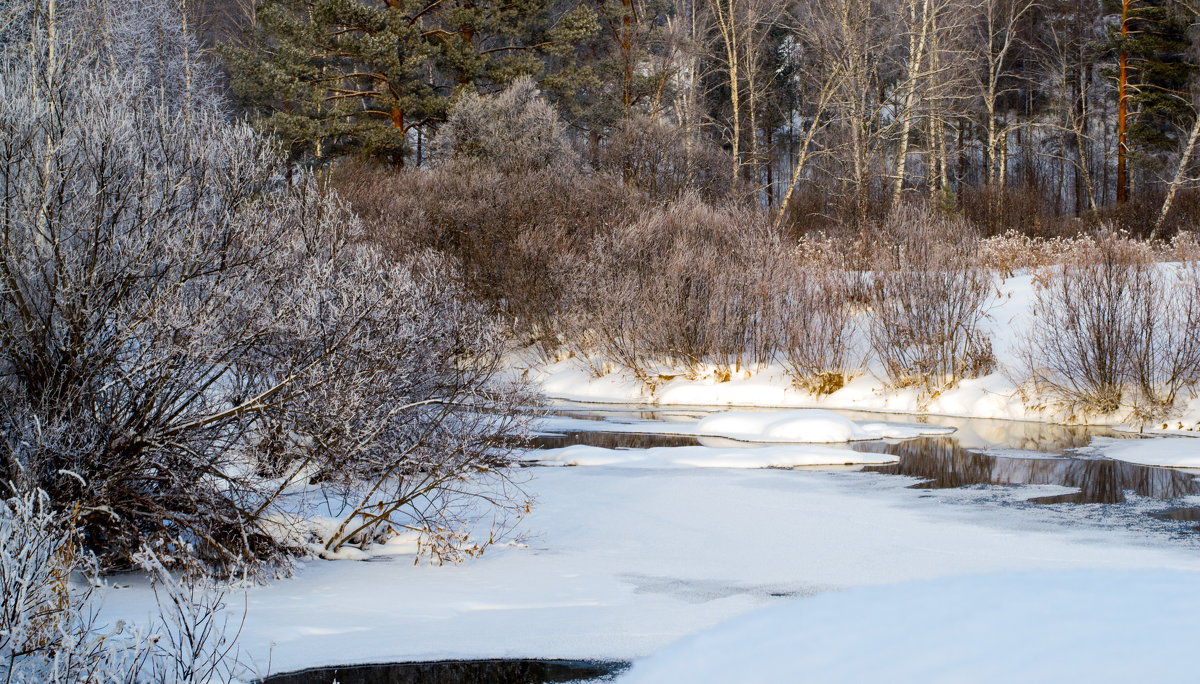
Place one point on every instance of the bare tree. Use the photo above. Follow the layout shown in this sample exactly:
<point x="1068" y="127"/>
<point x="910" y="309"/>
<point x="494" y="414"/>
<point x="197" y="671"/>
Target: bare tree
<point x="190" y="343"/>
<point x="997" y="37"/>
<point x="850" y="38"/>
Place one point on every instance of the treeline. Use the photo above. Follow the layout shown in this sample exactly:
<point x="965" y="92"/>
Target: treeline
<point x="583" y="264"/>
<point x="1020" y="114"/>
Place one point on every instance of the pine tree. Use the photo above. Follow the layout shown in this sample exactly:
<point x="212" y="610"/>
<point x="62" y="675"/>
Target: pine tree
<point x="1148" y="45"/>
<point x="620" y="68"/>
<point x="331" y="77"/>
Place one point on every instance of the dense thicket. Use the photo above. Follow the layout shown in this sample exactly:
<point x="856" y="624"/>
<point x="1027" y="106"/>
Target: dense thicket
<point x="1014" y="113"/>
<point x="194" y="350"/>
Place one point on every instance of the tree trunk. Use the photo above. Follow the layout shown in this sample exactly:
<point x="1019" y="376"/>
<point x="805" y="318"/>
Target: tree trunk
<point x="1177" y="180"/>
<point x="917" y="41"/>
<point x="1122" y="106"/>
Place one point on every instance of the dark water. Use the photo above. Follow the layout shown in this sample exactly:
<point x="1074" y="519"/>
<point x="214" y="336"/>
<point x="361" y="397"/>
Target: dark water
<point x="459" y="672"/>
<point x="1182" y="514"/>
<point x="611" y="440"/>
<point x="1191" y="514"/>
<point x="941" y="464"/>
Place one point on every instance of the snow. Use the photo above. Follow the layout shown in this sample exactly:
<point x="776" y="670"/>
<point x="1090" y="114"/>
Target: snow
<point x="620" y="562"/>
<point x="811" y="426"/>
<point x="1170" y="452"/>
<point x="708" y="457"/>
<point x="992" y="396"/>
<point x="1096" y="626"/>
<point x="804" y="425"/>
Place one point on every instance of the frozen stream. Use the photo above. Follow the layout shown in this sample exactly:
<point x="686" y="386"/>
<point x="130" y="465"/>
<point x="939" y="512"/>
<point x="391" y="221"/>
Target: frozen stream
<point x="978" y="452"/>
<point x="618" y="562"/>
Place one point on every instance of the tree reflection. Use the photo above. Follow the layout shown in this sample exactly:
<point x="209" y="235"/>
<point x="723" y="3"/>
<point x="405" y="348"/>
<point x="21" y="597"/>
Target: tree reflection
<point x="941" y="463"/>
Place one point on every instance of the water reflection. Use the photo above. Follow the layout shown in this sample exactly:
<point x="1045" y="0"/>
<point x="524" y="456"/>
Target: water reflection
<point x="971" y="433"/>
<point x="610" y="440"/>
<point x="942" y="463"/>
<point x="1191" y="514"/>
<point x="459" y="672"/>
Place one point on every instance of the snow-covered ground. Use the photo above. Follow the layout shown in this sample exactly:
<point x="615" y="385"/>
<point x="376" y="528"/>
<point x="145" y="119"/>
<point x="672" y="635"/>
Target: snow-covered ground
<point x="630" y="550"/>
<point x="620" y="562"/>
<point x="998" y="395"/>
<point x="1170" y="452"/>
<point x="1093" y="626"/>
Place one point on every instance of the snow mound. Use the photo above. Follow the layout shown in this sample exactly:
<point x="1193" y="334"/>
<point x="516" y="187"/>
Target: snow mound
<point x="813" y="426"/>
<point x="1171" y="452"/>
<point x="1099" y="626"/>
<point x="708" y="457"/>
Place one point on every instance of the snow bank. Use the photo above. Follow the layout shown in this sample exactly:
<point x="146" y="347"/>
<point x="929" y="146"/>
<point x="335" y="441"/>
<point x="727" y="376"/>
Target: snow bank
<point x="808" y="426"/>
<point x="813" y="426"/>
<point x="1177" y="452"/>
<point x="993" y="396"/>
<point x="708" y="457"/>
<point x="1099" y="626"/>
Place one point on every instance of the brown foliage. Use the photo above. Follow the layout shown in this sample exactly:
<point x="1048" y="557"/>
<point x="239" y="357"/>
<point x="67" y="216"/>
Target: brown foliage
<point x="928" y="298"/>
<point x="1112" y="323"/>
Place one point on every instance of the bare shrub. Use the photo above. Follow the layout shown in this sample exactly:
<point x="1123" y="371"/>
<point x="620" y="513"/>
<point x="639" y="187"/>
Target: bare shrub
<point x="1113" y="325"/>
<point x="1011" y="251"/>
<point x="514" y="130"/>
<point x="188" y="343"/>
<point x="816" y="344"/>
<point x="1086" y="310"/>
<point x="521" y="238"/>
<point x="1165" y="354"/>
<point x="683" y="287"/>
<point x="49" y="629"/>
<point x="665" y="161"/>
<point x="928" y="299"/>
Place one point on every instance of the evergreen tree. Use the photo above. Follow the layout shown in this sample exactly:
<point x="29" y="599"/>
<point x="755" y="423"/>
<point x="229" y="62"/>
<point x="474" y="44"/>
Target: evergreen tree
<point x="1148" y="46"/>
<point x="337" y="76"/>
<point x="620" y="68"/>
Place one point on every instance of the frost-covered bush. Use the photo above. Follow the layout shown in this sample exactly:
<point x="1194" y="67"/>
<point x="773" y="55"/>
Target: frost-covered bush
<point x="1113" y="325"/>
<point x="664" y="160"/>
<point x="514" y="130"/>
<point x="192" y="347"/>
<point x="518" y="237"/>
<point x="49" y="631"/>
<point x="928" y="299"/>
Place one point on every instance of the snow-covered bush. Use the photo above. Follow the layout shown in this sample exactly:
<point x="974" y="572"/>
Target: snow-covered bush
<point x="514" y="130"/>
<point x="190" y="343"/>
<point x="927" y="301"/>
<point x="1113" y="325"/>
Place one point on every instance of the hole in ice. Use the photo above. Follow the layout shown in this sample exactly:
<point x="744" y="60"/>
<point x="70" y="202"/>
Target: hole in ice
<point x="514" y="671"/>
